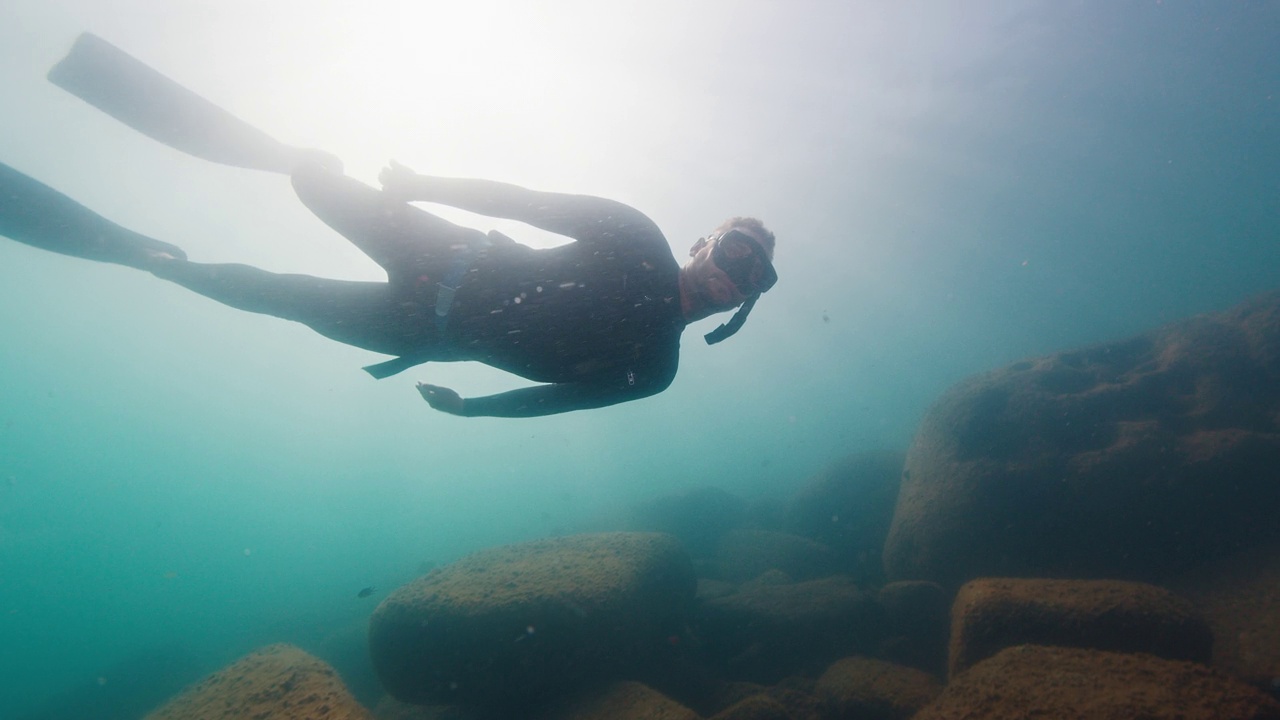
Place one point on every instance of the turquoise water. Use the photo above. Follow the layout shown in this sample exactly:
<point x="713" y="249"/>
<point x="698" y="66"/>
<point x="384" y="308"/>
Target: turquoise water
<point x="952" y="190"/>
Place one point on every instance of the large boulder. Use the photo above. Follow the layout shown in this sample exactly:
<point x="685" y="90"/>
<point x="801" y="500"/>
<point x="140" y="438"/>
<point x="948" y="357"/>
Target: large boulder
<point x="279" y="682"/>
<point x="1241" y="600"/>
<point x="765" y="632"/>
<point x="756" y="707"/>
<point x="868" y="689"/>
<point x="1032" y="681"/>
<point x="848" y="507"/>
<point x="745" y="554"/>
<point x="389" y="708"/>
<point x="521" y="624"/>
<point x="793" y="698"/>
<point x="917" y="615"/>
<point x="1130" y="459"/>
<point x="991" y="614"/>
<point x="623" y="700"/>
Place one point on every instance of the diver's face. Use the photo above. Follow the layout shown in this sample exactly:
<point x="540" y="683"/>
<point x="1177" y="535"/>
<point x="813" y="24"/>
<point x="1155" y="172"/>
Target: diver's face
<point x="712" y="284"/>
<point x="743" y="258"/>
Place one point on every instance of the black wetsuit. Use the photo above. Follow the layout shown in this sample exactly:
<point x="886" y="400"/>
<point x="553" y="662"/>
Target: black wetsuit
<point x="597" y="320"/>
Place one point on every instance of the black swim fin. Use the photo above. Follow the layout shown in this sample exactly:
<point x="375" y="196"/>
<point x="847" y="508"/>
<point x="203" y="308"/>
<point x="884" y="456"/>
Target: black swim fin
<point x="35" y="214"/>
<point x="137" y="95"/>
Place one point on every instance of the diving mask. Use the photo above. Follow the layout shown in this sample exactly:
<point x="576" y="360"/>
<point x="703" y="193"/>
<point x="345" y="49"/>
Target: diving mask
<point x="745" y="261"/>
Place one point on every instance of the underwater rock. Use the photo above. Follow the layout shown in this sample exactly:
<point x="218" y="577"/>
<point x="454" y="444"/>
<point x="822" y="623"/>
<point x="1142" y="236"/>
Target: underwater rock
<point x="280" y="682"/>
<point x="867" y="689"/>
<point x="910" y="604"/>
<point x="796" y="696"/>
<point x="522" y="623"/>
<point x="712" y="589"/>
<point x="917" y="615"/>
<point x="725" y="695"/>
<point x="765" y="632"/>
<point x="746" y="554"/>
<point x="848" y="507"/>
<point x="1133" y="459"/>
<point x="766" y="578"/>
<point x="1054" y="682"/>
<point x="345" y="647"/>
<point x="388" y="708"/>
<point x="1241" y="600"/>
<point x="799" y="695"/>
<point x="681" y="673"/>
<point x="755" y="707"/>
<point x="620" y="701"/>
<point x="991" y="614"/>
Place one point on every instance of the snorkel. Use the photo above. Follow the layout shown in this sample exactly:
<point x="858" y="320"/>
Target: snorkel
<point x="745" y="261"/>
<point x="726" y="330"/>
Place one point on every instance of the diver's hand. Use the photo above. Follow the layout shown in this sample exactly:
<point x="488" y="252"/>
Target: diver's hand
<point x="398" y="180"/>
<point x="441" y="398"/>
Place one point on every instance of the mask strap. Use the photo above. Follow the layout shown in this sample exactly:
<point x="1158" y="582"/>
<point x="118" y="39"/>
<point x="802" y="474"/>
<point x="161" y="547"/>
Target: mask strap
<point x="725" y="331"/>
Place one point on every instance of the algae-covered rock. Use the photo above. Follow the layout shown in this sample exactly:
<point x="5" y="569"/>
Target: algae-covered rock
<point x="1133" y="460"/>
<point x="522" y="623"/>
<point x="620" y="701"/>
<point x="869" y="689"/>
<point x="994" y="613"/>
<point x="765" y="632"/>
<point x="279" y="682"/>
<point x="1032" y="681"/>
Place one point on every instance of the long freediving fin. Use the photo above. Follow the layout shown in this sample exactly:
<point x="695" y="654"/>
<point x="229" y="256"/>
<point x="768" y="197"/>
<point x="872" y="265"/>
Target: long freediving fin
<point x="141" y="97"/>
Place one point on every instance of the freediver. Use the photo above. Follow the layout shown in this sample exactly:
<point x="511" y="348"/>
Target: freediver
<point x="596" y="321"/>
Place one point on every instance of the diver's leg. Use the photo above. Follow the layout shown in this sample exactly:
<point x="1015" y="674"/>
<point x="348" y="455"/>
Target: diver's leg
<point x="406" y="241"/>
<point x="35" y="214"/>
<point x="362" y="314"/>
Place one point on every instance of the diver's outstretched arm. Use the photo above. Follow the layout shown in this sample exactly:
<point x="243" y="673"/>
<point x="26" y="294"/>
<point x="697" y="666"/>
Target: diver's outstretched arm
<point x="541" y="400"/>
<point x="584" y="217"/>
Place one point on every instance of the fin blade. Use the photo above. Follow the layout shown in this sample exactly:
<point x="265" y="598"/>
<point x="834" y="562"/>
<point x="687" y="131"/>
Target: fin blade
<point x="141" y="97"/>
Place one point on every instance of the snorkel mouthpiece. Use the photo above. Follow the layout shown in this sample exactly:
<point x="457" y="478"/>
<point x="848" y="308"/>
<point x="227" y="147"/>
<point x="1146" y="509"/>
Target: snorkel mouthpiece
<point x="726" y="331"/>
